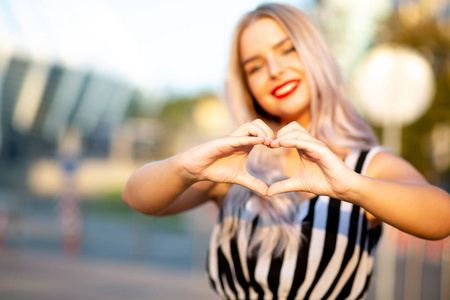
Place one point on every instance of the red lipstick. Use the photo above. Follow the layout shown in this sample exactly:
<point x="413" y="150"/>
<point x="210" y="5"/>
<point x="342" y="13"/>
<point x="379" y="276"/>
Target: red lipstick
<point x="285" y="89"/>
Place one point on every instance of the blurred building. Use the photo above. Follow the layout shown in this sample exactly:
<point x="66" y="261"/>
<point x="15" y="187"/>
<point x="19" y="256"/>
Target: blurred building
<point x="49" y="87"/>
<point x="40" y="101"/>
<point x="42" y="98"/>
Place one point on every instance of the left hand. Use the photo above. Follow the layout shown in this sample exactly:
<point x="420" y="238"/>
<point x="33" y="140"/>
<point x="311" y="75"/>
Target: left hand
<point x="320" y="172"/>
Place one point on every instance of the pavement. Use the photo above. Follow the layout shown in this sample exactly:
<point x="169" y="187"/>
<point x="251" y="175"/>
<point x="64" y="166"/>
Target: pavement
<point x="41" y="276"/>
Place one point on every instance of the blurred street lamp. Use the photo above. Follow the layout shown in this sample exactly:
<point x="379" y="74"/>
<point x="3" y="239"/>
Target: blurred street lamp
<point x="395" y="86"/>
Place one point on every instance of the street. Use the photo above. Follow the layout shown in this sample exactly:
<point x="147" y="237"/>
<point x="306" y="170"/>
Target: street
<point x="26" y="275"/>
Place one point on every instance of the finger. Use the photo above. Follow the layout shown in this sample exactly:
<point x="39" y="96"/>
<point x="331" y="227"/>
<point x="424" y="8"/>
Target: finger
<point x="314" y="149"/>
<point x="249" y="129"/>
<point x="275" y="143"/>
<point x="297" y="135"/>
<point x="240" y="141"/>
<point x="292" y="135"/>
<point x="253" y="183"/>
<point x="310" y="150"/>
<point x="255" y="128"/>
<point x="269" y="132"/>
<point x="290" y="127"/>
<point x="284" y="186"/>
<point x="302" y="143"/>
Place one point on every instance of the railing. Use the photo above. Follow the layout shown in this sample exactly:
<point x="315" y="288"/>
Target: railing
<point x="406" y="268"/>
<point x="410" y="268"/>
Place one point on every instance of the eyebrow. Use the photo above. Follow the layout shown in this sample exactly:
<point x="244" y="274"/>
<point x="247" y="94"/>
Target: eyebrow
<point x="274" y="46"/>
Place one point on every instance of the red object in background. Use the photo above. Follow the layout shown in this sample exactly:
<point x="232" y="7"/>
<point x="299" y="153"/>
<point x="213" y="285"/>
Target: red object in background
<point x="433" y="249"/>
<point x="3" y="229"/>
<point x="69" y="211"/>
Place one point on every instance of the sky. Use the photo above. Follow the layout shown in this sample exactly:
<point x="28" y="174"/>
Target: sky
<point x="157" y="45"/>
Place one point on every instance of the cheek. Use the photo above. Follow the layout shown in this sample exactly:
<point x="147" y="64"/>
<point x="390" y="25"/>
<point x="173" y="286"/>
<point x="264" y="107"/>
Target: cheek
<point x="296" y="61"/>
<point x="256" y="85"/>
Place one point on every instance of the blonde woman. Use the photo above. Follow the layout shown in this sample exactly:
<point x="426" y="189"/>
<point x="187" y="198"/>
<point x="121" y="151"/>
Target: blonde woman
<point x="300" y="216"/>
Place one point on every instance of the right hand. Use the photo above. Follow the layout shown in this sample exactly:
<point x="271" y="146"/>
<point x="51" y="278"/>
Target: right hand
<point x="224" y="159"/>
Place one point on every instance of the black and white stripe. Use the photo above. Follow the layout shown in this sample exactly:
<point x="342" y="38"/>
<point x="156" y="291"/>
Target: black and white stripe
<point x="333" y="261"/>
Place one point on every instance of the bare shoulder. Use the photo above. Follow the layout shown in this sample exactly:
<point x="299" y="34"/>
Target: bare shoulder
<point x="389" y="166"/>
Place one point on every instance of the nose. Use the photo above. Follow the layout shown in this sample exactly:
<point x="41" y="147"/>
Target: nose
<point x="276" y="67"/>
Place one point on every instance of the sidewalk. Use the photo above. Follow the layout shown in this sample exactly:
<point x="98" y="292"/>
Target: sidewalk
<point x="25" y="275"/>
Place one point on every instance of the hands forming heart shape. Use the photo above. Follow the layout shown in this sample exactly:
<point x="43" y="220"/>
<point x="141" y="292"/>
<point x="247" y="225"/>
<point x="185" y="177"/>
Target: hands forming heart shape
<point x="320" y="171"/>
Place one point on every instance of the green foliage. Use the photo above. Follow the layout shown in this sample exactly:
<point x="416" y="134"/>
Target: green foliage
<point x="429" y="38"/>
<point x="113" y="208"/>
<point x="177" y="111"/>
<point x="107" y="206"/>
<point x="134" y="108"/>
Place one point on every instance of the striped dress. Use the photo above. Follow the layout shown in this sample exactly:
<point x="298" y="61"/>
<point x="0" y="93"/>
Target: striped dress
<point x="333" y="261"/>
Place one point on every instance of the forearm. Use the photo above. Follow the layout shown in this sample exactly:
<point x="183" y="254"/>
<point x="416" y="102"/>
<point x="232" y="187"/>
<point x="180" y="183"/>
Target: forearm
<point x="156" y="185"/>
<point x="419" y="209"/>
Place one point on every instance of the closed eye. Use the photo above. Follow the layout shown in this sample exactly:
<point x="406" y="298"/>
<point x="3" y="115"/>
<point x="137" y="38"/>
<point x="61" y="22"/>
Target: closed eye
<point x="290" y="50"/>
<point x="255" y="69"/>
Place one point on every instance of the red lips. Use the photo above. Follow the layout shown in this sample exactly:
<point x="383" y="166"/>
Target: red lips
<point x="285" y="89"/>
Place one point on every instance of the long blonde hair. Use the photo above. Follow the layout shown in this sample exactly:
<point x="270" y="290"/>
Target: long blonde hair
<point x="333" y="121"/>
<point x="268" y="224"/>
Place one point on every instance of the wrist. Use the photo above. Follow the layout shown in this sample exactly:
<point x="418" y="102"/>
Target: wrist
<point x="354" y="192"/>
<point x="179" y="163"/>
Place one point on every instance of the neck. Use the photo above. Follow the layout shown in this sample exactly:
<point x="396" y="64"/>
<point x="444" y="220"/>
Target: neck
<point x="303" y="119"/>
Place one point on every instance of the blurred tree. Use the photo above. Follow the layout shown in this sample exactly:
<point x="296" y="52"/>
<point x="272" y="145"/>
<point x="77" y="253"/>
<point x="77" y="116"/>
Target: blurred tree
<point x="177" y="111"/>
<point x="142" y="106"/>
<point x="176" y="115"/>
<point x="431" y="37"/>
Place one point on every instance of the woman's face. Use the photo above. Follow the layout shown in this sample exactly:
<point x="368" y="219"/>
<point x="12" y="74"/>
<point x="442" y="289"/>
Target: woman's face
<point x="274" y="72"/>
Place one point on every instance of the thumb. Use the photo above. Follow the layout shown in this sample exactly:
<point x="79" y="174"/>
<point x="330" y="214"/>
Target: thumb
<point x="253" y="183"/>
<point x="284" y="186"/>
